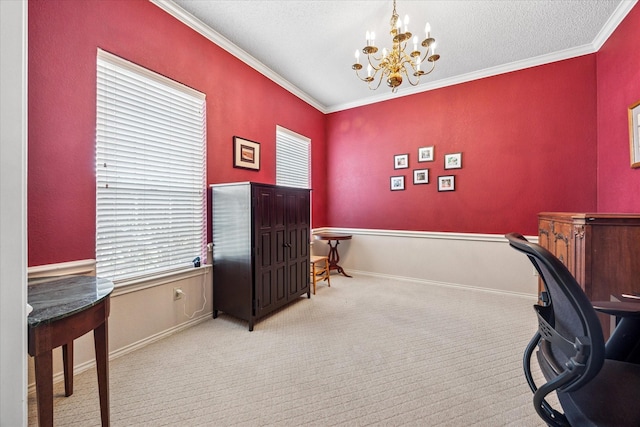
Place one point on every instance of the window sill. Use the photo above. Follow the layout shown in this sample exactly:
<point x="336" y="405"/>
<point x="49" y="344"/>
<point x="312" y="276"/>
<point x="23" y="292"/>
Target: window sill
<point x="134" y="285"/>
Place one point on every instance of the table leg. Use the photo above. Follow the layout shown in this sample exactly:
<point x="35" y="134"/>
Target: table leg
<point x="100" y="337"/>
<point x="67" y="361"/>
<point x="44" y="387"/>
<point x="334" y="258"/>
<point x="623" y="340"/>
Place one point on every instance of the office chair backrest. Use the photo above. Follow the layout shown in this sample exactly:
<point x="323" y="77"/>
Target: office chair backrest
<point x="570" y="340"/>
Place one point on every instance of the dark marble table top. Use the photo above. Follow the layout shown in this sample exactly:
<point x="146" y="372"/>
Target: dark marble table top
<point x="55" y="298"/>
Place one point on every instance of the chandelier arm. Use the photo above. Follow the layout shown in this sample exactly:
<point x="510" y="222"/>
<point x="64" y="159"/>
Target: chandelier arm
<point x="433" y="66"/>
<point x="426" y="55"/>
<point x="358" y="75"/>
<point x="367" y="79"/>
<point x="373" y="65"/>
<point x="379" y="80"/>
<point x="404" y="71"/>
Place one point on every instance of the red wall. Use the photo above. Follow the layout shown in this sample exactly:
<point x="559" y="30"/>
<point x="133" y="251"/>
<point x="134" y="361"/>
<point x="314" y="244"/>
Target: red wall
<point x="528" y="143"/>
<point x="63" y="38"/>
<point x="549" y="138"/>
<point x="618" y="88"/>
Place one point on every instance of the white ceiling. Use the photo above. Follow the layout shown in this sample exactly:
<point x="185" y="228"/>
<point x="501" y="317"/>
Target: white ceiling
<point x="308" y="46"/>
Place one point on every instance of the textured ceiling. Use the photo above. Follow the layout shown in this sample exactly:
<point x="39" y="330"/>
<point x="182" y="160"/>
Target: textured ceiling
<point x="309" y="46"/>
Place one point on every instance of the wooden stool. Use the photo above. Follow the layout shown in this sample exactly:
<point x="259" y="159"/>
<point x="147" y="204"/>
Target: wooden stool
<point x="319" y="267"/>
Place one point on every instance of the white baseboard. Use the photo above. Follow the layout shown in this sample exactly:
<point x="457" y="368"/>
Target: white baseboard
<point x="443" y="284"/>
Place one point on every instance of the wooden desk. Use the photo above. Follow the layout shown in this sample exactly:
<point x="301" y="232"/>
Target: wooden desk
<point x="599" y="249"/>
<point x="334" y="256"/>
<point x="65" y="308"/>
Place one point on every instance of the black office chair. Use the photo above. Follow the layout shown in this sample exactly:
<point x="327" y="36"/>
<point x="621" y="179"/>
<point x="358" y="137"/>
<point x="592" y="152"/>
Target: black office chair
<point x="592" y="390"/>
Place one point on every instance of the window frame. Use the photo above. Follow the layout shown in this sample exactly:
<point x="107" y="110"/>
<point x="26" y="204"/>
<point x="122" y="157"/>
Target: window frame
<point x="169" y="214"/>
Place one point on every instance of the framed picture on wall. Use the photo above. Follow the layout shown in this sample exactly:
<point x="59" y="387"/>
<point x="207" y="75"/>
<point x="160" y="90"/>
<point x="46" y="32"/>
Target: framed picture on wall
<point x="447" y="183"/>
<point x="246" y="154"/>
<point x="421" y="176"/>
<point x="397" y="183"/>
<point x="634" y="134"/>
<point x="401" y="161"/>
<point x="425" y="154"/>
<point x="453" y="161"/>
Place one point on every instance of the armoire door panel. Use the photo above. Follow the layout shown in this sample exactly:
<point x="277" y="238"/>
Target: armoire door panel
<point x="280" y="247"/>
<point x="281" y="283"/>
<point x="265" y="252"/>
<point x="303" y="241"/>
<point x="264" y="210"/>
<point x="280" y="210"/>
<point x="265" y="291"/>
<point x="294" y="278"/>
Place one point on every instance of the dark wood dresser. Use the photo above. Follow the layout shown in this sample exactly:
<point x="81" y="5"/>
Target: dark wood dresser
<point x="602" y="251"/>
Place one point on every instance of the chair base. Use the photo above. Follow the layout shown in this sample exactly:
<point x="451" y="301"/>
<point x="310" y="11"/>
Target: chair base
<point x="609" y="399"/>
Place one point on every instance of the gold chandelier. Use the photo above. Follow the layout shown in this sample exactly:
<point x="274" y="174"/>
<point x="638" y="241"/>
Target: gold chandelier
<point x="392" y="65"/>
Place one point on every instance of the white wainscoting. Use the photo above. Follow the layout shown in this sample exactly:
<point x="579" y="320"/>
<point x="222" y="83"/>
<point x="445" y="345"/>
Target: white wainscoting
<point x="144" y="312"/>
<point x="480" y="261"/>
<point x="141" y="312"/>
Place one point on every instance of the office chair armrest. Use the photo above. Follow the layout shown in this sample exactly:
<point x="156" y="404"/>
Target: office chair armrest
<point x="618" y="308"/>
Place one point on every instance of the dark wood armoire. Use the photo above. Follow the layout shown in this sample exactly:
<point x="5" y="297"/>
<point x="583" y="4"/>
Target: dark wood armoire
<point x="260" y="248"/>
<point x="602" y="251"/>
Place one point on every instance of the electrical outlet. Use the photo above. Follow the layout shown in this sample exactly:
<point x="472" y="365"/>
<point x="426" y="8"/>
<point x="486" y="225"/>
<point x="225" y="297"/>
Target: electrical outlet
<point x="177" y="294"/>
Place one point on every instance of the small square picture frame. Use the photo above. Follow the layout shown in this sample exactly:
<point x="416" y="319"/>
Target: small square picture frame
<point x="447" y="183"/>
<point x="420" y="176"/>
<point x="401" y="161"/>
<point x="397" y="183"/>
<point x="634" y="134"/>
<point x="453" y="161"/>
<point x="246" y="154"/>
<point x="425" y="154"/>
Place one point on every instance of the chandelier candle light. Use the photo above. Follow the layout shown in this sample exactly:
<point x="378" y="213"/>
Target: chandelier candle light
<point x="392" y="65"/>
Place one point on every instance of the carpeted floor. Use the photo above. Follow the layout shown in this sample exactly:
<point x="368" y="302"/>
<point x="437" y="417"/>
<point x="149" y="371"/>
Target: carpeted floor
<point x="367" y="351"/>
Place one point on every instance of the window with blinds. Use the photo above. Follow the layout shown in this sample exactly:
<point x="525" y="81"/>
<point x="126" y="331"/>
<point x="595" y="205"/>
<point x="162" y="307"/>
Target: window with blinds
<point x="150" y="172"/>
<point x="293" y="159"/>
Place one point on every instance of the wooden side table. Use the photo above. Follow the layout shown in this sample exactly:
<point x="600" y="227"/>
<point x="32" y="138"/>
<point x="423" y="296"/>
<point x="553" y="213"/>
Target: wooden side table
<point x="334" y="256"/>
<point x="65" y="308"/>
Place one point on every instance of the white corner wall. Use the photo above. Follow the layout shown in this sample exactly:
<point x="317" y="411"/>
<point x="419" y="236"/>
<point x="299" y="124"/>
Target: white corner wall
<point x="13" y="213"/>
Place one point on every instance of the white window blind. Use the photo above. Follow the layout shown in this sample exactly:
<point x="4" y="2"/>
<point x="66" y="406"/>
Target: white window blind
<point x="293" y="159"/>
<point x="150" y="171"/>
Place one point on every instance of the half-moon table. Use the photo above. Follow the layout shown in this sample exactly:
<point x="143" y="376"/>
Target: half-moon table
<point x="334" y="256"/>
<point x="65" y="308"/>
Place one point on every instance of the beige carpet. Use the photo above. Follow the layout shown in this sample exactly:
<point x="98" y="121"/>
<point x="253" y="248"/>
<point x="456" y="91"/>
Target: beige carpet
<point x="367" y="351"/>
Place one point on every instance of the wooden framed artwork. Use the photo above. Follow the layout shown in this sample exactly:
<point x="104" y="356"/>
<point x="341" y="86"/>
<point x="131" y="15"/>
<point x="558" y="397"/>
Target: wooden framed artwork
<point x="401" y="161"/>
<point x="421" y="176"/>
<point x="447" y="183"/>
<point x="634" y="134"/>
<point x="453" y="161"/>
<point x="246" y="154"/>
<point x="425" y="154"/>
<point x="397" y="183"/>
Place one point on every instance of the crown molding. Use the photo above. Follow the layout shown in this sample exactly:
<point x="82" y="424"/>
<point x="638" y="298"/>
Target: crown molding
<point x="614" y="20"/>
<point x="612" y="23"/>
<point x="200" y="27"/>
<point x="194" y="23"/>
<point x="475" y="75"/>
